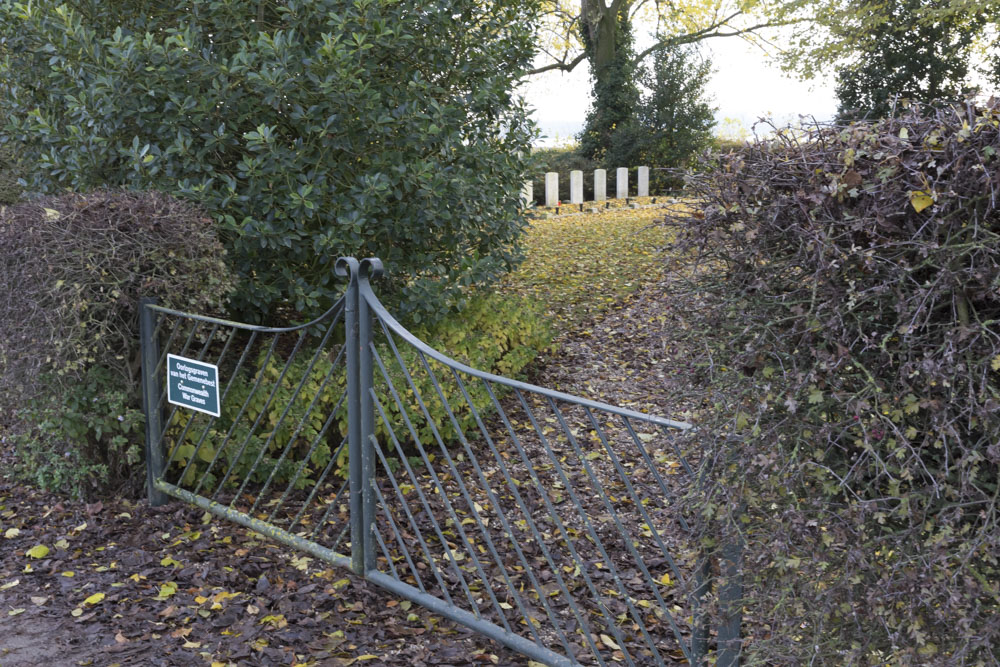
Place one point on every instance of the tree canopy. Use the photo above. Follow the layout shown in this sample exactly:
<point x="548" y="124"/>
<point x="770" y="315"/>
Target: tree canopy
<point x="829" y="33"/>
<point x="906" y="58"/>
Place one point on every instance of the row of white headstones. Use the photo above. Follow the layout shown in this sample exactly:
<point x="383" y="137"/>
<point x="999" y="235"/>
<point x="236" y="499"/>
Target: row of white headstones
<point x="576" y="186"/>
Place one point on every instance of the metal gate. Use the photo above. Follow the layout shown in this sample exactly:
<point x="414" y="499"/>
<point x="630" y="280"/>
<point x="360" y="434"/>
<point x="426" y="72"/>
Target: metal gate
<point x="539" y="519"/>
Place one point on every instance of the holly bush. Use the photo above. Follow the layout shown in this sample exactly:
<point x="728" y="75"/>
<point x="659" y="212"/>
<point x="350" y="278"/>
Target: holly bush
<point x="308" y="129"/>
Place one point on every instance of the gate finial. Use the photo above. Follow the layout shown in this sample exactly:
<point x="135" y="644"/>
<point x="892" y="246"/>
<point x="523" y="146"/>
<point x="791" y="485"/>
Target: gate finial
<point x="371" y="268"/>
<point x="346" y="267"/>
<point x="367" y="269"/>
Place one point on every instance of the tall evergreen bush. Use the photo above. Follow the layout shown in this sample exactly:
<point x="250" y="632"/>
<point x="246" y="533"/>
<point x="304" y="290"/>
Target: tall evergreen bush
<point x="308" y="129"/>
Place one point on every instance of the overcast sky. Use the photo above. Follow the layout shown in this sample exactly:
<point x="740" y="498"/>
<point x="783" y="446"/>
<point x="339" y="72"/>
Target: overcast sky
<point x="744" y="87"/>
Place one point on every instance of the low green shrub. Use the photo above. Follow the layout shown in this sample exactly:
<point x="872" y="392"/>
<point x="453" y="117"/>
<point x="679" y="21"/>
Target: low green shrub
<point x="74" y="268"/>
<point x="493" y="333"/>
<point x="10" y="190"/>
<point x="90" y="431"/>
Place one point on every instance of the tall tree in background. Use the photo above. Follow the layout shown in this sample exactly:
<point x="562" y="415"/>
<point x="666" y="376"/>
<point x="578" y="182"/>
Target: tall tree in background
<point x="600" y="32"/>
<point x="825" y="35"/>
<point x="907" y="58"/>
<point x="676" y="115"/>
<point x="612" y="71"/>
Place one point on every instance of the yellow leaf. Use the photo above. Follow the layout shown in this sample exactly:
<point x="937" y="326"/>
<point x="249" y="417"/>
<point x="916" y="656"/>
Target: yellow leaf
<point x="366" y="656"/>
<point x="920" y="200"/>
<point x="38" y="551"/>
<point x="166" y="590"/>
<point x="11" y="533"/>
<point x="168" y="561"/>
<point x="607" y="641"/>
<point x="94" y="599"/>
<point x="76" y="612"/>
<point x="52" y="214"/>
<point x="665" y="579"/>
<point x="995" y="364"/>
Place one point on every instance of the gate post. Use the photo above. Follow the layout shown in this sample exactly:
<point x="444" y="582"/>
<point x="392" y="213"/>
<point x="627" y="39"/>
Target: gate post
<point x="347" y="266"/>
<point x="367" y="419"/>
<point x="699" y="617"/>
<point x="731" y="604"/>
<point x="150" y="357"/>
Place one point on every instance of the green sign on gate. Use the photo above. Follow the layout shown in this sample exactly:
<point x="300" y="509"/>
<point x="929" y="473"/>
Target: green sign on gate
<point x="193" y="384"/>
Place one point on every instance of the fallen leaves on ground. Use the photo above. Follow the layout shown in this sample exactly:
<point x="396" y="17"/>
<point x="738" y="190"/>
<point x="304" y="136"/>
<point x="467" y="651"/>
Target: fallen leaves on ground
<point x="205" y="606"/>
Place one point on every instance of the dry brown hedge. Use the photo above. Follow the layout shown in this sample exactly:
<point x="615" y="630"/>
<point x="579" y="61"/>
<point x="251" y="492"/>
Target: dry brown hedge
<point x="858" y="276"/>
<point x="73" y="269"/>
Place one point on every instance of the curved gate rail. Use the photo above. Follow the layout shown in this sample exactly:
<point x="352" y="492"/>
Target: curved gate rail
<point x="539" y="519"/>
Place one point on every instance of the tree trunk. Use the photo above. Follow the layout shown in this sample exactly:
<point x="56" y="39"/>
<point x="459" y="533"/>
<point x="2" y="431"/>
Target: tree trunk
<point x="600" y="35"/>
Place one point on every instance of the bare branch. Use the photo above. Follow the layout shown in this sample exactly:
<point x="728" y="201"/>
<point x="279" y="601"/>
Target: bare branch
<point x="561" y="65"/>
<point x="710" y="32"/>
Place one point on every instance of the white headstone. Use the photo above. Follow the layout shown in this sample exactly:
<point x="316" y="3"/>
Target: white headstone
<point x="621" y="183"/>
<point x="576" y="187"/>
<point x="643" y="181"/>
<point x="527" y="194"/>
<point x="551" y="188"/>
<point x="600" y="185"/>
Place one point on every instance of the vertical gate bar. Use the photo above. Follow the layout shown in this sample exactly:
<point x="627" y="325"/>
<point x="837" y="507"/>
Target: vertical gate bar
<point x="366" y="405"/>
<point x="151" y="402"/>
<point x="731" y="602"/>
<point x="355" y="443"/>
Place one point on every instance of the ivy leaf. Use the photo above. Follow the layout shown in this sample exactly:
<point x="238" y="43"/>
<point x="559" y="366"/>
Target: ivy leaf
<point x="166" y="590"/>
